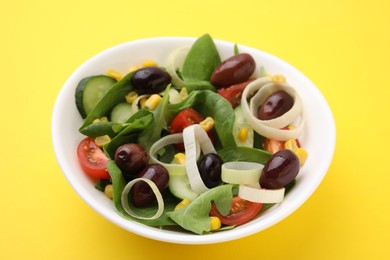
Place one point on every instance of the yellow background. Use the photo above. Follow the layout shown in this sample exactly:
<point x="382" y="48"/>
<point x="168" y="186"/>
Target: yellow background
<point x="342" y="46"/>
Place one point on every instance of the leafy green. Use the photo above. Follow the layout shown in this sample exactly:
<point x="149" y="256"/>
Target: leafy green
<point x="236" y="51"/>
<point x="247" y="154"/>
<point x="161" y="117"/>
<point x="195" y="216"/>
<point x="209" y="103"/>
<point x="119" y="183"/>
<point x="99" y="129"/>
<point x="102" y="183"/>
<point x="113" y="96"/>
<point x="201" y="61"/>
<point x="136" y="124"/>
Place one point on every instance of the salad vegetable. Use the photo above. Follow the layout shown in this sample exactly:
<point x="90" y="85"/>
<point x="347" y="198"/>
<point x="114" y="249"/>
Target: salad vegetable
<point x="199" y="143"/>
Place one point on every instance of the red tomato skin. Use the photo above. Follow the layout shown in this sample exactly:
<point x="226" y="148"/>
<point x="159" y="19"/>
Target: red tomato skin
<point x="92" y="160"/>
<point x="233" y="93"/>
<point x="242" y="211"/>
<point x="184" y="119"/>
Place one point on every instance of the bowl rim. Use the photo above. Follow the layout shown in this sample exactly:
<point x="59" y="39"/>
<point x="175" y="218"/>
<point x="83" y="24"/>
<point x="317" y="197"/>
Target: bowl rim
<point x="188" y="238"/>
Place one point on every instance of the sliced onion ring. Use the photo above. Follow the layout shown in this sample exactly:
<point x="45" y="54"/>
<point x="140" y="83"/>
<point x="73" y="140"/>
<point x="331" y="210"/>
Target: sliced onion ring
<point x="192" y="135"/>
<point x="260" y="195"/>
<point x="125" y="201"/>
<point x="258" y="125"/>
<point x="175" y="61"/>
<point x="134" y="105"/>
<point x="175" y="170"/>
<point x="284" y="119"/>
<point x="241" y="172"/>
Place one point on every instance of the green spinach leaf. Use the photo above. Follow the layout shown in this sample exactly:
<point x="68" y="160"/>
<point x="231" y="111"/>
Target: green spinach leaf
<point x="209" y="103"/>
<point x="161" y="117"/>
<point x="130" y="133"/>
<point x="246" y="154"/>
<point x="99" y="129"/>
<point x="195" y="216"/>
<point x="201" y="61"/>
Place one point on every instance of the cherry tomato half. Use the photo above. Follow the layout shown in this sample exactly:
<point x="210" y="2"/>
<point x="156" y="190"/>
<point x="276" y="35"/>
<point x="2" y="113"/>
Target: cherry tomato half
<point x="233" y="93"/>
<point x="241" y="212"/>
<point x="185" y="118"/>
<point x="273" y="145"/>
<point x="92" y="159"/>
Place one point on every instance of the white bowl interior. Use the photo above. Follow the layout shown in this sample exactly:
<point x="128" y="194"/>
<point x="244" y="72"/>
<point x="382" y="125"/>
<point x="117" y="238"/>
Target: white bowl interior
<point x="318" y="138"/>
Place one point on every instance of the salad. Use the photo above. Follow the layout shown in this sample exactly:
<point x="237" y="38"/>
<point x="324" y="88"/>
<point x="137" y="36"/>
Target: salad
<point x="197" y="144"/>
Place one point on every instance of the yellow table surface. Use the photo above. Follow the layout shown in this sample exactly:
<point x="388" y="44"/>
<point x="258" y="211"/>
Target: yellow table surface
<point x="342" y="46"/>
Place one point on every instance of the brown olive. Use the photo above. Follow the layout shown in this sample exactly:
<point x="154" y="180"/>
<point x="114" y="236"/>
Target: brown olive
<point x="235" y="69"/>
<point x="131" y="159"/>
<point x="275" y="105"/>
<point x="141" y="192"/>
<point x="280" y="170"/>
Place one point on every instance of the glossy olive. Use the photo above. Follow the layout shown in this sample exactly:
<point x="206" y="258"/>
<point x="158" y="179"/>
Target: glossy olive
<point x="131" y="159"/>
<point x="280" y="170"/>
<point x="141" y="192"/>
<point x="235" y="69"/>
<point x="209" y="167"/>
<point x="150" y="80"/>
<point x="275" y="105"/>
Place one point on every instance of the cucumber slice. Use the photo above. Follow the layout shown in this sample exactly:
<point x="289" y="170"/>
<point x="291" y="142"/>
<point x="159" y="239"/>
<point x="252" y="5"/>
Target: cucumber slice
<point x="90" y="90"/>
<point x="239" y="123"/>
<point x="179" y="184"/>
<point x="121" y="113"/>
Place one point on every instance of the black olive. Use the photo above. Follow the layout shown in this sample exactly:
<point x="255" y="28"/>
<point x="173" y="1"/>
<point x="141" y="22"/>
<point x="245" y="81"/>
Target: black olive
<point x="210" y="170"/>
<point x="150" y="80"/>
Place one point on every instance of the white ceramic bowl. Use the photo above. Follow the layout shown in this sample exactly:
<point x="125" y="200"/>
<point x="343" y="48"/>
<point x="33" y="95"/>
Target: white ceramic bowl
<point x="318" y="139"/>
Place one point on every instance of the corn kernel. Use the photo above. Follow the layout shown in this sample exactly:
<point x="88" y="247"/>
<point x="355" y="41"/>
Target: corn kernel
<point x="104" y="119"/>
<point x="133" y="68"/>
<point x="302" y="155"/>
<point x="207" y="124"/>
<point x="215" y="223"/>
<point x="277" y="78"/>
<point x="183" y="93"/>
<point x="142" y="101"/>
<point x="102" y="140"/>
<point x="179" y="158"/>
<point x="153" y="101"/>
<point x="131" y="97"/>
<point x="243" y="134"/>
<point x="114" y="74"/>
<point x="149" y="63"/>
<point x="108" y="191"/>
<point x="291" y="144"/>
<point x="290" y="127"/>
<point x="182" y="203"/>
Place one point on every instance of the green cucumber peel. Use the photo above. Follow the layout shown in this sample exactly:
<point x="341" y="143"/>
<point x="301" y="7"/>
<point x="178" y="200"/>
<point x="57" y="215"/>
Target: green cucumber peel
<point x="112" y="97"/>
